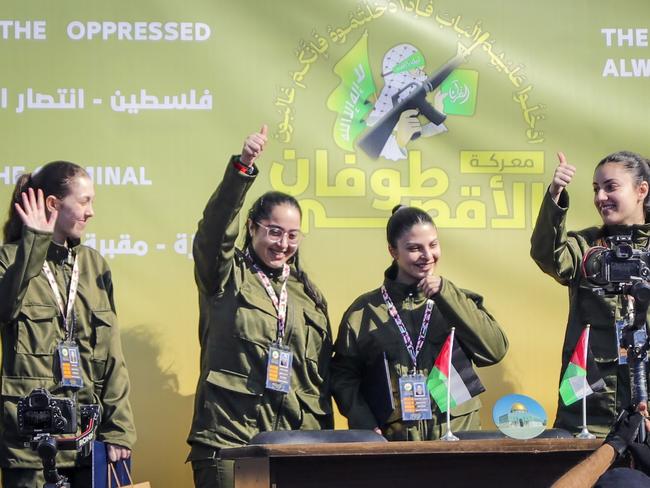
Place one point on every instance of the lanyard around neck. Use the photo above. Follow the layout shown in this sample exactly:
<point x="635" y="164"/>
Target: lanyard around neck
<point x="392" y="310"/>
<point x="72" y="294"/>
<point x="279" y="301"/>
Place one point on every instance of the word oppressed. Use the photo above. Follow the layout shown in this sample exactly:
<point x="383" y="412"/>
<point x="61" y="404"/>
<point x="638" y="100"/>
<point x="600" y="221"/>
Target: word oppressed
<point x="107" y="30"/>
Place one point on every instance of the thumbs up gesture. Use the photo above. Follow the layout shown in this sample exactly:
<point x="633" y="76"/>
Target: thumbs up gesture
<point x="562" y="177"/>
<point x="254" y="145"/>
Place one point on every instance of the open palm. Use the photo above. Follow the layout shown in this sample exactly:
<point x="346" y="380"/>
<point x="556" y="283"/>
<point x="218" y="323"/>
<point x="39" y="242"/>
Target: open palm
<point x="33" y="213"/>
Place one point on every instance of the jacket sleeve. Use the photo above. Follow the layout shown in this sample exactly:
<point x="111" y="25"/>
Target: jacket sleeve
<point x="214" y="242"/>
<point x="476" y="329"/>
<point x="347" y="371"/>
<point x="17" y="271"/>
<point x="117" y="425"/>
<point x="556" y="254"/>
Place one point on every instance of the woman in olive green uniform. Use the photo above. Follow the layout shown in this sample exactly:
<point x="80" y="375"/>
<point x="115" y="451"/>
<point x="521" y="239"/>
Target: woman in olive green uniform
<point x="42" y="317"/>
<point x="621" y="198"/>
<point x="263" y="327"/>
<point x="427" y="306"/>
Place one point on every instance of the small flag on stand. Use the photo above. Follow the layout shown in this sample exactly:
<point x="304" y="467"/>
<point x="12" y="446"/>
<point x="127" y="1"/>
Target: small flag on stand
<point x="573" y="386"/>
<point x="455" y="373"/>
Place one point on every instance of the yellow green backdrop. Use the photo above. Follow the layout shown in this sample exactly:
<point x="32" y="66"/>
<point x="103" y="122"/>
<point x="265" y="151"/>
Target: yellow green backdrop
<point x="153" y="97"/>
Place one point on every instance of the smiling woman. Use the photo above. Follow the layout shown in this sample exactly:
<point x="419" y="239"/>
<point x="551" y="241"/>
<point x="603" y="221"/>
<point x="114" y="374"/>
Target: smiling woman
<point x="56" y="301"/>
<point x="620" y="185"/>
<point x="263" y="326"/>
<point x="408" y="320"/>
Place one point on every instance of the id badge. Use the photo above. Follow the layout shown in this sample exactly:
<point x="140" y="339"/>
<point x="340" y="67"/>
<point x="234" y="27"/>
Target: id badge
<point x="69" y="365"/>
<point x="414" y="397"/>
<point x="278" y="368"/>
<point x="640" y="338"/>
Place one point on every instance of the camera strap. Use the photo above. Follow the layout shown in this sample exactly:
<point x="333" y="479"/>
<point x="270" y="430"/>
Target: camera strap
<point x="67" y="315"/>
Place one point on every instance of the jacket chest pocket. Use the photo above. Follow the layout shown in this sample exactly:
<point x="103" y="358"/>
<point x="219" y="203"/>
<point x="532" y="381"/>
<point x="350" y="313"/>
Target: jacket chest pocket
<point x="256" y="318"/>
<point x="101" y="322"/>
<point x="318" y="344"/>
<point x="39" y="330"/>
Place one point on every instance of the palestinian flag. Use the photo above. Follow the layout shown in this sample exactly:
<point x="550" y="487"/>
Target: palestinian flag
<point x="452" y="378"/>
<point x="581" y="377"/>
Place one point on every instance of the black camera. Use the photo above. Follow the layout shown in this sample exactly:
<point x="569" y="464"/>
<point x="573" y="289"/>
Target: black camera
<point x="41" y="413"/>
<point x="617" y="267"/>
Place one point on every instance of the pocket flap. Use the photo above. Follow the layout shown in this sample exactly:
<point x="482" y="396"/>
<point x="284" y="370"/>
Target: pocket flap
<point x="105" y="317"/>
<point x="257" y="297"/>
<point x="39" y="312"/>
<point x="315" y="403"/>
<point x="230" y="380"/>
<point x="16" y="386"/>
<point x="317" y="320"/>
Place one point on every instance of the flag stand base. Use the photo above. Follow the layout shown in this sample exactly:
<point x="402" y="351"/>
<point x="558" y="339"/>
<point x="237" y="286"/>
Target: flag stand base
<point x="585" y="434"/>
<point x="449" y="436"/>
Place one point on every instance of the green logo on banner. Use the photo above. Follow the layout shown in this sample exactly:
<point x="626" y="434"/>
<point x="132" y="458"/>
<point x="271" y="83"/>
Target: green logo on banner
<point x="459" y="91"/>
<point x="350" y="99"/>
<point x="415" y="60"/>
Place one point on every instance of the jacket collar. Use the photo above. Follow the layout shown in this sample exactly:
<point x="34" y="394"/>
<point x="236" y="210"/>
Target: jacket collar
<point x="58" y="253"/>
<point x="397" y="291"/>
<point x="640" y="232"/>
<point x="272" y="273"/>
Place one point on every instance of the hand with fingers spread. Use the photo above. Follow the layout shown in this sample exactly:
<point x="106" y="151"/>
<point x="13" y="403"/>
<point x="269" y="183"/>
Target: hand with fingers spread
<point x="254" y="145"/>
<point x="430" y="285"/>
<point x="33" y="212"/>
<point x="562" y="177"/>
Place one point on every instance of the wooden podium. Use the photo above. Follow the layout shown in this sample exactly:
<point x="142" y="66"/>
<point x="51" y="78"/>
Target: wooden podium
<point x="472" y="463"/>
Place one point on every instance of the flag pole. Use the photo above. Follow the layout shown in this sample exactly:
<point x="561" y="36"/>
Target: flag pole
<point x="584" y="433"/>
<point x="449" y="436"/>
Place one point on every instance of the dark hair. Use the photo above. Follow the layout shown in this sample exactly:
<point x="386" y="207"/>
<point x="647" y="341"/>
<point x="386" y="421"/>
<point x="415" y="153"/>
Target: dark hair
<point x="260" y="210"/>
<point x="637" y="166"/>
<point x="402" y="220"/>
<point x="399" y="223"/>
<point x="54" y="179"/>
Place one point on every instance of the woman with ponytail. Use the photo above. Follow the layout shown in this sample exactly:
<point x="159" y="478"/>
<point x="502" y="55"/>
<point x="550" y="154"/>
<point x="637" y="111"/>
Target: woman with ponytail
<point x="263" y="326"/>
<point x="58" y="323"/>
<point x="407" y="320"/>
<point x="620" y="183"/>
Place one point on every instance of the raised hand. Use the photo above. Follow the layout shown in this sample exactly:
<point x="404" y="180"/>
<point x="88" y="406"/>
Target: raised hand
<point x="33" y="212"/>
<point x="254" y="145"/>
<point x="562" y="177"/>
<point x="430" y="285"/>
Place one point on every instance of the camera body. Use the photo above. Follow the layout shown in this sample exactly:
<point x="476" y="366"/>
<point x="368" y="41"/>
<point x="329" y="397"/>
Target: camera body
<point x="616" y="268"/>
<point x="41" y="413"/>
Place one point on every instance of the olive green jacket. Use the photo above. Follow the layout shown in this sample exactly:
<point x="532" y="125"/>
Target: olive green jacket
<point x="559" y="254"/>
<point x="32" y="327"/>
<point x="367" y="330"/>
<point x="238" y="323"/>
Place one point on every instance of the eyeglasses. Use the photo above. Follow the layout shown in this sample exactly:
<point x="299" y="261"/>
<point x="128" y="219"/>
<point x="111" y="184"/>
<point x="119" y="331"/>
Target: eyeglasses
<point x="275" y="234"/>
